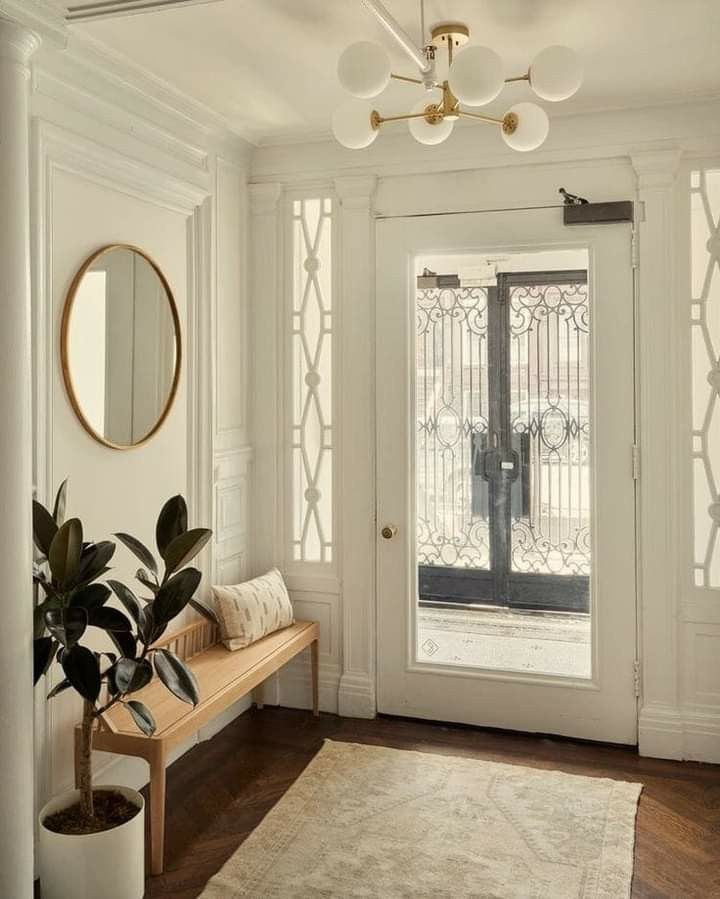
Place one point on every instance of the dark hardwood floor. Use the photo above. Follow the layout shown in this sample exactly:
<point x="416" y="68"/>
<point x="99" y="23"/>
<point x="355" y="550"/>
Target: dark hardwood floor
<point x="220" y="790"/>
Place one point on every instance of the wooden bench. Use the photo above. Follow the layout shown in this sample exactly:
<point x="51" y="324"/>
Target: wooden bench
<point x="224" y="677"/>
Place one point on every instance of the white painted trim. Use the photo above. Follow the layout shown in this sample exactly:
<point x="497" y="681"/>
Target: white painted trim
<point x="356" y="386"/>
<point x="53" y="84"/>
<point x="120" y="80"/>
<point x="657" y="427"/>
<point x="55" y="150"/>
<point x="41" y="16"/>
<point x="692" y="734"/>
<point x="693" y="125"/>
<point x="295" y="690"/>
<point x="266" y="267"/>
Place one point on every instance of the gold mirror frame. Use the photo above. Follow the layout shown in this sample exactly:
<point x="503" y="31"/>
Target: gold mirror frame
<point x="65" y="360"/>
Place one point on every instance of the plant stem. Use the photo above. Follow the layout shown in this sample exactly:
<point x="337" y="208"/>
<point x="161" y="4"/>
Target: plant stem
<point x="85" y="766"/>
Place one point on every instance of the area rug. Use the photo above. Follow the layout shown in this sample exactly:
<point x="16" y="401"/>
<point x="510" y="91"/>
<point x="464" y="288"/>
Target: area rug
<point x="368" y="821"/>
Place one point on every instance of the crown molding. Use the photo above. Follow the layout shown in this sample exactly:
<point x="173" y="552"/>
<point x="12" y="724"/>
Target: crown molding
<point x="42" y="17"/>
<point x="92" y="10"/>
<point x="98" y="70"/>
<point x="656" y="168"/>
<point x="692" y="128"/>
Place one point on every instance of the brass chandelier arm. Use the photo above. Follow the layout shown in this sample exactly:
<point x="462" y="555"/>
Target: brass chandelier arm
<point x="477" y="115"/>
<point x="378" y="119"/>
<point x="406" y="78"/>
<point x="435" y="114"/>
<point x="412" y="80"/>
<point x="525" y="77"/>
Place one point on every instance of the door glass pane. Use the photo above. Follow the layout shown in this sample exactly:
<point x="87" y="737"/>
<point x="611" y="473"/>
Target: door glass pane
<point x="550" y="419"/>
<point x="452" y="415"/>
<point x="502" y="461"/>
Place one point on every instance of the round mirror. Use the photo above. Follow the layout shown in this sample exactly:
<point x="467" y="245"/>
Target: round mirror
<point x="120" y="346"/>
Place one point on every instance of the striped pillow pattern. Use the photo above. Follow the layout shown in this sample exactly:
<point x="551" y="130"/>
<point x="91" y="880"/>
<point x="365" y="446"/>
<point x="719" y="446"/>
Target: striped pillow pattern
<point x="252" y="610"/>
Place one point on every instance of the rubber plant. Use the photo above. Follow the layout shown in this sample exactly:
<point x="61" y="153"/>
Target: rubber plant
<point x="71" y="603"/>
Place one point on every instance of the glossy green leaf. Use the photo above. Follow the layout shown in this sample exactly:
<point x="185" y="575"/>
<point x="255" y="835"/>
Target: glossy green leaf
<point x="176" y="676"/>
<point x="171" y="522"/>
<point x="60" y="504"/>
<point x="44" y="527"/>
<point x="146" y="624"/>
<point x="185" y="547"/>
<point x="126" y="643"/>
<point x="82" y="669"/>
<point x="142" y="716"/>
<point x="43" y="651"/>
<point x="67" y="625"/>
<point x="175" y="594"/>
<point x="204" y="610"/>
<point x="127" y="598"/>
<point x="109" y="619"/>
<point x="147" y="581"/>
<point x="65" y="551"/>
<point x="59" y="688"/>
<point x="132" y="674"/>
<point x="139" y="549"/>
<point x="91" y="596"/>
<point x="94" y="561"/>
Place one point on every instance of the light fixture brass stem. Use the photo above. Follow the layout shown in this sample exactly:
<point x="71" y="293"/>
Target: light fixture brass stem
<point x="525" y="77"/>
<point x="477" y="115"/>
<point x="405" y="78"/>
<point x="380" y="120"/>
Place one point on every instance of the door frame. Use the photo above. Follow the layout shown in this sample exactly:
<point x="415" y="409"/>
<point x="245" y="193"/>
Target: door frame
<point x="412" y="665"/>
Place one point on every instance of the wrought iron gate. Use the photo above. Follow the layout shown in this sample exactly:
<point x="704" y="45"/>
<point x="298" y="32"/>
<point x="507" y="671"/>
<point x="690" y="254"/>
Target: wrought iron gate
<point x="503" y="442"/>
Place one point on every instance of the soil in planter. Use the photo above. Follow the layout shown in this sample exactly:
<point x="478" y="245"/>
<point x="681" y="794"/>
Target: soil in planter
<point x="111" y="810"/>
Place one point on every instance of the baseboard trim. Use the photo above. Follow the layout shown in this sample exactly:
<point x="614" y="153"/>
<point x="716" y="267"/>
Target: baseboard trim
<point x="356" y="696"/>
<point x="295" y="690"/>
<point x="687" y="733"/>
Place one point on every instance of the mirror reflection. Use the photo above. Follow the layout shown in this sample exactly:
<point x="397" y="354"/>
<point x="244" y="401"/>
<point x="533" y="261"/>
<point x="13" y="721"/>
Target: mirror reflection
<point x="121" y="346"/>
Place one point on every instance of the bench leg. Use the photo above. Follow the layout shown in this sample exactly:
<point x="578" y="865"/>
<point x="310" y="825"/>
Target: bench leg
<point x="259" y="696"/>
<point x="315" y="666"/>
<point x="157" y="808"/>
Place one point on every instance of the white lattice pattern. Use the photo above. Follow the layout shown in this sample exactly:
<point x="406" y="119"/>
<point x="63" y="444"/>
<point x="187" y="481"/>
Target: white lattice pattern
<point x="705" y="325"/>
<point x="312" y="426"/>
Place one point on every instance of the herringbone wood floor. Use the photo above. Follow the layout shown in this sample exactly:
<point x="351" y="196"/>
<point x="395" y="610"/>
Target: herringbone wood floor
<point x="219" y="791"/>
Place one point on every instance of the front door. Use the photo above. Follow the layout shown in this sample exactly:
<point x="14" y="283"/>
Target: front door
<point x="506" y="576"/>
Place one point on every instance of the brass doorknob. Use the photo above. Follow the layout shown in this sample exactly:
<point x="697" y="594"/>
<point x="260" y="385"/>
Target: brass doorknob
<point x="389" y="531"/>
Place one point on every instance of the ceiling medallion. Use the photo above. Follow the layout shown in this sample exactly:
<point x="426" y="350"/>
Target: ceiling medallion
<point x="475" y="77"/>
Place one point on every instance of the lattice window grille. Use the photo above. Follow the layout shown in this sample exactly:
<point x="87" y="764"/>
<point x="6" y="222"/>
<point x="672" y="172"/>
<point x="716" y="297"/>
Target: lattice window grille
<point x="705" y="331"/>
<point x="311" y="380"/>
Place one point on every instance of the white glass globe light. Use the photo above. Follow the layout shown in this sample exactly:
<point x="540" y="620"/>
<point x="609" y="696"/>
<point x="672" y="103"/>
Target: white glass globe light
<point x="531" y="126"/>
<point x="352" y="126"/>
<point x="477" y="76"/>
<point x="364" y="69"/>
<point x="556" y="73"/>
<point x="426" y="132"/>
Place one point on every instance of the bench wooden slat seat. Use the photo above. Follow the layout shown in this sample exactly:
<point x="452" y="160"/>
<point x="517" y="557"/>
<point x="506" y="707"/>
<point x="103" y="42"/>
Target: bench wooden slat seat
<point x="224" y="677"/>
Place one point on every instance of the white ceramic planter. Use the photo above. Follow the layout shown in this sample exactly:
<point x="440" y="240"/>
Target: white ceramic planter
<point x="107" y="865"/>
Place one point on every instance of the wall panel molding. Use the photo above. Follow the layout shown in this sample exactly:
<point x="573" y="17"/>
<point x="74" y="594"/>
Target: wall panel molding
<point x="266" y="270"/>
<point x="58" y="151"/>
<point x="357" y="444"/>
<point x="656" y="172"/>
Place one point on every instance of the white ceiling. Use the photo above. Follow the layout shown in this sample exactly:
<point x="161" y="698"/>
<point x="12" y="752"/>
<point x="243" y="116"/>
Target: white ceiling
<point x="268" y="66"/>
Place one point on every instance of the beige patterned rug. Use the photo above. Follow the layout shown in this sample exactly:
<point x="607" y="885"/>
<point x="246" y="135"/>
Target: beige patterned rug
<point x="367" y="821"/>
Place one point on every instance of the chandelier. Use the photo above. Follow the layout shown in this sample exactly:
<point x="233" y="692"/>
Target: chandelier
<point x="475" y="77"/>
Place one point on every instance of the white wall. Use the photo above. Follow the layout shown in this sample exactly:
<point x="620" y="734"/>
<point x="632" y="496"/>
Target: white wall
<point x="112" y="161"/>
<point x="615" y="155"/>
